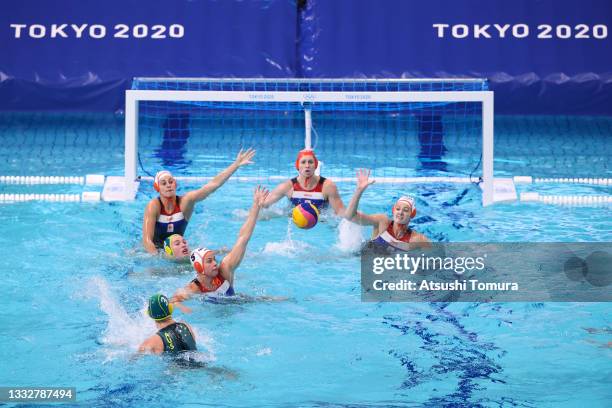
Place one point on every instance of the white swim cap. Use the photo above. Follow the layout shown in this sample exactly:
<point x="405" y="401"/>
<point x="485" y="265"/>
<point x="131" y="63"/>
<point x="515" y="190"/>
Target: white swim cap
<point x="197" y="258"/>
<point x="158" y="177"/>
<point x="410" y="201"/>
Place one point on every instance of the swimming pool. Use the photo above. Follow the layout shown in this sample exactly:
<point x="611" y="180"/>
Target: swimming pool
<point x="76" y="282"/>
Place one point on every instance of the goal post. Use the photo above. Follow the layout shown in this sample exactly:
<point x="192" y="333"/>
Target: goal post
<point x="386" y="98"/>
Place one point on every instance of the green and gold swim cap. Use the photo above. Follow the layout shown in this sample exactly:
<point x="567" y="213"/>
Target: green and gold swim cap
<point x="159" y="307"/>
<point x="168" y="244"/>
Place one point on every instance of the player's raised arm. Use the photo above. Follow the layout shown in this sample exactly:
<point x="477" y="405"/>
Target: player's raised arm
<point x="351" y="213"/>
<point x="233" y="259"/>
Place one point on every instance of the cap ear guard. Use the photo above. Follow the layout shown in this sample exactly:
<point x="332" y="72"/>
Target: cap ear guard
<point x="197" y="258"/>
<point x="170" y="309"/>
<point x="168" y="247"/>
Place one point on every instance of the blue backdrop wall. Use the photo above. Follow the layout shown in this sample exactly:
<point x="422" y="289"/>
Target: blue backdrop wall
<point x="544" y="56"/>
<point x="123" y="39"/>
<point x="541" y="56"/>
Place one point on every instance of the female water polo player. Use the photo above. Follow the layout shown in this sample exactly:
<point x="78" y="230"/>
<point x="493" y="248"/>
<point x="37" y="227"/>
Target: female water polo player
<point x="171" y="337"/>
<point x="391" y="233"/>
<point x="307" y="186"/>
<point x="176" y="248"/>
<point x="212" y="277"/>
<point x="169" y="214"/>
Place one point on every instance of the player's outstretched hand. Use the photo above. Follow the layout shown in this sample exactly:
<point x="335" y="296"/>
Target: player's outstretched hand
<point x="245" y="157"/>
<point x="363" y="179"/>
<point x="259" y="196"/>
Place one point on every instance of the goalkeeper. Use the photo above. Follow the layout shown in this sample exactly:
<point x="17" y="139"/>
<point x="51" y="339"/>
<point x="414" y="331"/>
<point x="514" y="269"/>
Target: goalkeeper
<point x="308" y="186"/>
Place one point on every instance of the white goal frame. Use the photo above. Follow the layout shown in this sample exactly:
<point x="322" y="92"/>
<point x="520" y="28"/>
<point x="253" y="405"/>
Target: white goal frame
<point x="133" y="97"/>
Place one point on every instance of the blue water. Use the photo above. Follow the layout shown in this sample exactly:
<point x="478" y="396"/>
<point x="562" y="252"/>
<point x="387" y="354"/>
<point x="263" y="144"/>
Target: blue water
<point x="75" y="283"/>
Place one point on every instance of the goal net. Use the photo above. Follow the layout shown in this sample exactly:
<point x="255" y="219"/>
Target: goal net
<point x="405" y="130"/>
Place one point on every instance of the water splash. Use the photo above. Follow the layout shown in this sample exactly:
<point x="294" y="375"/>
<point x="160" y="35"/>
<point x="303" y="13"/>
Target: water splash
<point x="288" y="247"/>
<point x="350" y="236"/>
<point x="266" y="351"/>
<point x="124" y="331"/>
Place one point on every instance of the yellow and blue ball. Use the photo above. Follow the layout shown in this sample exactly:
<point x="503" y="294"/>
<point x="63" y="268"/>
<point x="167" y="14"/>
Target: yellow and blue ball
<point x="305" y="215"/>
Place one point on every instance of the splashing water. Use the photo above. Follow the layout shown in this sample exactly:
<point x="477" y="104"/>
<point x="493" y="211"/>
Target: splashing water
<point x="350" y="236"/>
<point x="122" y="329"/>
<point x="288" y="247"/>
<point x="125" y="332"/>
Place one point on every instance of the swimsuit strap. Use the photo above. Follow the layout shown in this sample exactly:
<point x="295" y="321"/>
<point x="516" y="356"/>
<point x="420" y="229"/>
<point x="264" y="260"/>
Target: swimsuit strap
<point x="408" y="233"/>
<point x="295" y="181"/>
<point x="177" y="203"/>
<point x="199" y="285"/>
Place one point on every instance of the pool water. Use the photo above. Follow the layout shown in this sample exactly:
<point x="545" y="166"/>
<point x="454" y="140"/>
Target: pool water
<point x="76" y="281"/>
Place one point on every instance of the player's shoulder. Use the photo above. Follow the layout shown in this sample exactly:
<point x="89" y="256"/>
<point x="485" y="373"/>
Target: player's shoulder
<point x="329" y="184"/>
<point x="153" y="205"/>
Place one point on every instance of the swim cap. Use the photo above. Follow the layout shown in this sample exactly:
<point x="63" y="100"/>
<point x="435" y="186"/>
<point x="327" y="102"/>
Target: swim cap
<point x="306" y="152"/>
<point x="159" y="307"/>
<point x="197" y="258"/>
<point x="168" y="244"/>
<point x="410" y="201"/>
<point x="158" y="176"/>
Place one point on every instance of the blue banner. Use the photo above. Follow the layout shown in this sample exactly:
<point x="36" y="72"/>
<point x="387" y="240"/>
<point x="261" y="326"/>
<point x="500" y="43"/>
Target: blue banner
<point x="540" y="56"/>
<point x="73" y="54"/>
<point x="546" y="56"/>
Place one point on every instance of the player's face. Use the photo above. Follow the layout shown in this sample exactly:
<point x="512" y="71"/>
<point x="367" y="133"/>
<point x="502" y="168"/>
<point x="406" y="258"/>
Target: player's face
<point x="180" y="248"/>
<point x="307" y="166"/>
<point x="167" y="186"/>
<point x="401" y="213"/>
<point x="211" y="268"/>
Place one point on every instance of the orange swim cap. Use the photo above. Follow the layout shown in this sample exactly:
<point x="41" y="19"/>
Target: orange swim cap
<point x="306" y="152"/>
